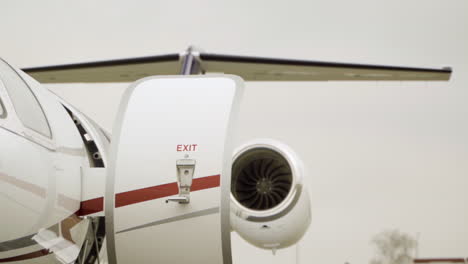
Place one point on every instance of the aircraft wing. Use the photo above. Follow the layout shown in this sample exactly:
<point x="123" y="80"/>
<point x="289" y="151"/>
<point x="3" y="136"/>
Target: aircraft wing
<point x="270" y="69"/>
<point x="122" y="70"/>
<point x="249" y="68"/>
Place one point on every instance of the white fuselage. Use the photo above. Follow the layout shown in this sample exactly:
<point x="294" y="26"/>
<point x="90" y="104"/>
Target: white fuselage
<point x="40" y="175"/>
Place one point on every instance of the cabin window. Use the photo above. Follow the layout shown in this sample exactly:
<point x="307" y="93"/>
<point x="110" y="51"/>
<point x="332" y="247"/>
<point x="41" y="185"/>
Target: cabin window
<point x="25" y="103"/>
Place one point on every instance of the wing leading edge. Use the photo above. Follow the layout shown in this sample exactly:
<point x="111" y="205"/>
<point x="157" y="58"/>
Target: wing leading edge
<point x="249" y="68"/>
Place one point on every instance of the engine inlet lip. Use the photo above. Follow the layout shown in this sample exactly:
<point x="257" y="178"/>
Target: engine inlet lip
<point x="292" y="197"/>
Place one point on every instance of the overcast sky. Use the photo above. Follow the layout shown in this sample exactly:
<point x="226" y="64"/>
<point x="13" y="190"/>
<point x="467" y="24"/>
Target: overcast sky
<point x="379" y="155"/>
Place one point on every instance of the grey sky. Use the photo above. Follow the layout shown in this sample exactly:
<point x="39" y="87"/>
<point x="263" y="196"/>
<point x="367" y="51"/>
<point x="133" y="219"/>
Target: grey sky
<point x="379" y="155"/>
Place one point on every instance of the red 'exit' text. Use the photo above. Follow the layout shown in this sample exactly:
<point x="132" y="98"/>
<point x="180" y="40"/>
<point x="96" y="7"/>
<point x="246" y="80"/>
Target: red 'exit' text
<point x="189" y="147"/>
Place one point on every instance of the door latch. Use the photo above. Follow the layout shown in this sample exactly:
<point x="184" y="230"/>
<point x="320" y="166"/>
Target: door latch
<point x="185" y="170"/>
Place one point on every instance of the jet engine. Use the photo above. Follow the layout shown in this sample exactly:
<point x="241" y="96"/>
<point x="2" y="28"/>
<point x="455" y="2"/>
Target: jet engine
<point x="270" y="206"/>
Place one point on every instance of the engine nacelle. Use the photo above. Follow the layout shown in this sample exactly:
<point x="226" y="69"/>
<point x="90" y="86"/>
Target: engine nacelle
<point x="270" y="206"/>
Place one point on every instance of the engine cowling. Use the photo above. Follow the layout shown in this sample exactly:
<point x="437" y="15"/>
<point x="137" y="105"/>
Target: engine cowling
<point x="270" y="206"/>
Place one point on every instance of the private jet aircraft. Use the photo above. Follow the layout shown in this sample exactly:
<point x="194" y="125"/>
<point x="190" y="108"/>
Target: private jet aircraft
<point x="167" y="186"/>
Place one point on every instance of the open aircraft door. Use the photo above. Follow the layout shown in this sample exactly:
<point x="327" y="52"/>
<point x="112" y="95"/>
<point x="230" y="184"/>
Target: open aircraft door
<point x="168" y="186"/>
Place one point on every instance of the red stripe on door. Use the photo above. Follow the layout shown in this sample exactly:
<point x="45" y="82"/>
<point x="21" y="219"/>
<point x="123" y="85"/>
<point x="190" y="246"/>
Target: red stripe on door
<point x="91" y="206"/>
<point x="146" y="194"/>
<point x="165" y="190"/>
